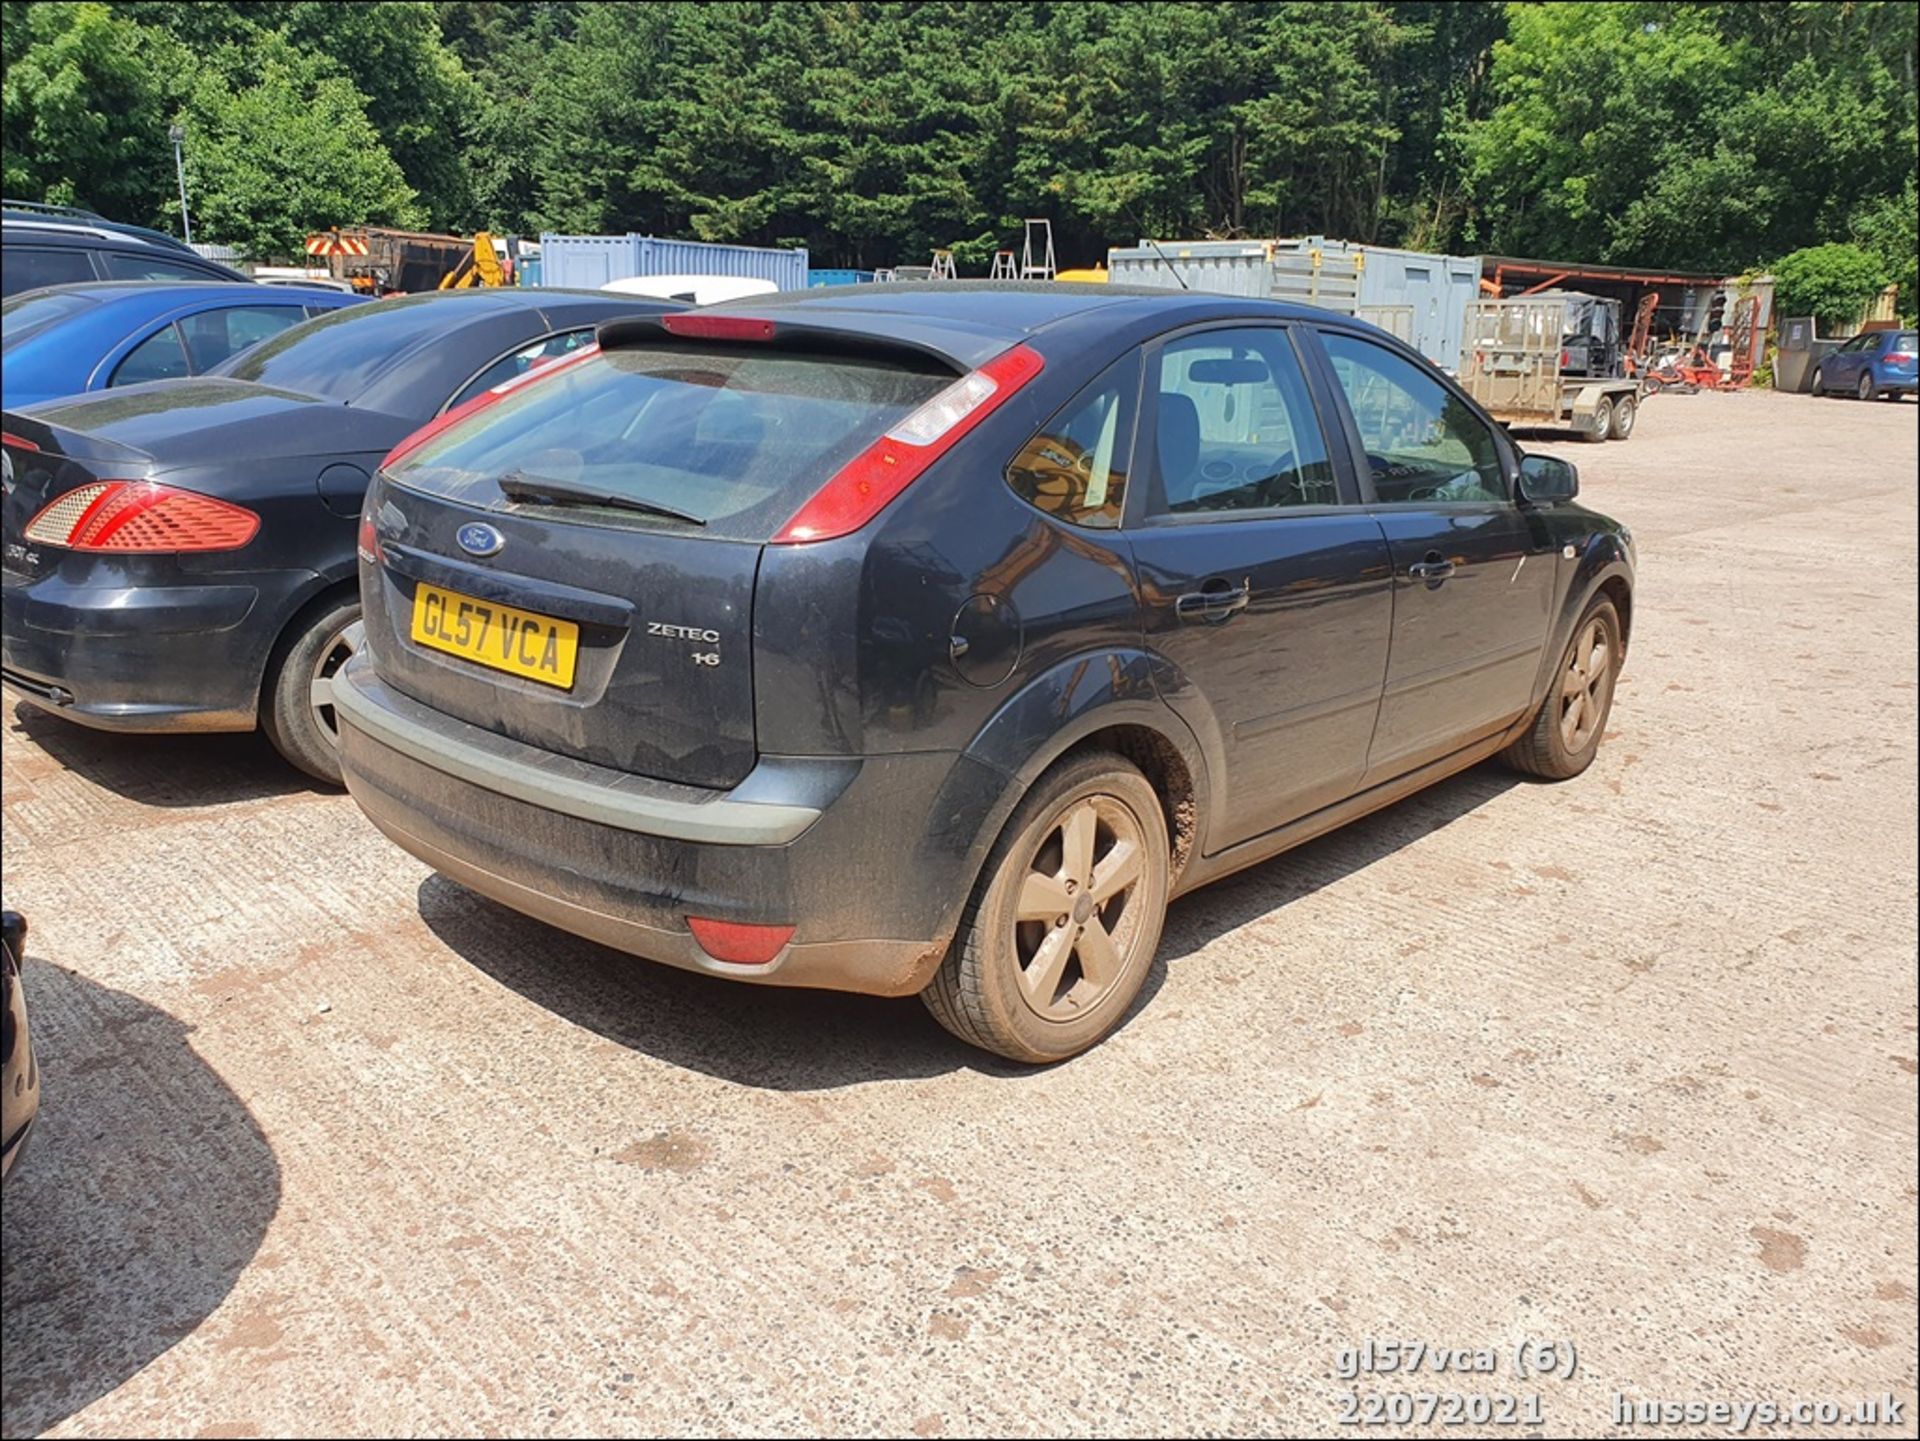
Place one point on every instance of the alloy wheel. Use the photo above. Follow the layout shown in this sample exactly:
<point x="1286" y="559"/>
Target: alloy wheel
<point x="1586" y="686"/>
<point x="334" y="654"/>
<point x="1076" y="927"/>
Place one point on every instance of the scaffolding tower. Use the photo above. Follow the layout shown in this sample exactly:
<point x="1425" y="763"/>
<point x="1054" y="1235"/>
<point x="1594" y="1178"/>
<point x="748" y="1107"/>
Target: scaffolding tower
<point x="1042" y="267"/>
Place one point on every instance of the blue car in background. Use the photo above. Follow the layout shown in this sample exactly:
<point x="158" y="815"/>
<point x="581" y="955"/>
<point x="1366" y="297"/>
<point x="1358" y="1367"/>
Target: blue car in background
<point x="67" y="339"/>
<point x="1878" y="363"/>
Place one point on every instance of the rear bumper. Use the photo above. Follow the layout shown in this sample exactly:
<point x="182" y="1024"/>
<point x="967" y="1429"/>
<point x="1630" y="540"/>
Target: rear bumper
<point x="866" y="859"/>
<point x="1889" y="383"/>
<point x="142" y="658"/>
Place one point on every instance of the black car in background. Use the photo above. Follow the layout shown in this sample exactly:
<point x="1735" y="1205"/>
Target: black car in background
<point x="179" y="556"/>
<point x="930" y="638"/>
<point x="57" y="245"/>
<point x="19" y="1073"/>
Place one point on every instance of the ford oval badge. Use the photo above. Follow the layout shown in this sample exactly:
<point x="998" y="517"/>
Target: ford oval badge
<point x="478" y="539"/>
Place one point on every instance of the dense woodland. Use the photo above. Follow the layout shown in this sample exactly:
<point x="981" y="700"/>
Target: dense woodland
<point x="1711" y="136"/>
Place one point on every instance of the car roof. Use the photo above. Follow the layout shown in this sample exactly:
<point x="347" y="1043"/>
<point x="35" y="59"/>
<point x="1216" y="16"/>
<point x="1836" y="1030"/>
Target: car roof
<point x="158" y="296"/>
<point x="970" y="321"/>
<point x="86" y="230"/>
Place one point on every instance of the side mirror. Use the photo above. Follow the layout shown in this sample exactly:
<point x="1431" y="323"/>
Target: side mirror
<point x="1546" y="479"/>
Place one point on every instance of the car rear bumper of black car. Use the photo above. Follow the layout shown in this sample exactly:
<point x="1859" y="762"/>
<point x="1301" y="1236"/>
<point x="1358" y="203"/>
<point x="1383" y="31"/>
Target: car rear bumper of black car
<point x="141" y="658"/>
<point x="857" y="856"/>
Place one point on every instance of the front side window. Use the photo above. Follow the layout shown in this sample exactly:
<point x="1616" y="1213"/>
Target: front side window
<point x="1234" y="427"/>
<point x="1075" y="469"/>
<point x="158" y="357"/>
<point x="1424" y="444"/>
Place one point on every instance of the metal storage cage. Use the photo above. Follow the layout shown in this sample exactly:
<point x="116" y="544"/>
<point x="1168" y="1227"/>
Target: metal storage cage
<point x="587" y="262"/>
<point x="1419" y="297"/>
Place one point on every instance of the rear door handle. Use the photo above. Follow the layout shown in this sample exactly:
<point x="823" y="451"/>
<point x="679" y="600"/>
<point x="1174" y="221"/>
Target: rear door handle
<point x="1434" y="569"/>
<point x="1215" y="601"/>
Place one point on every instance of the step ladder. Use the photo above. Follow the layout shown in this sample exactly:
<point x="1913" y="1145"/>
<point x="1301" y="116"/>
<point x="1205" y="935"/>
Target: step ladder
<point x="942" y="265"/>
<point x="1003" y="266"/>
<point x="1036" y="261"/>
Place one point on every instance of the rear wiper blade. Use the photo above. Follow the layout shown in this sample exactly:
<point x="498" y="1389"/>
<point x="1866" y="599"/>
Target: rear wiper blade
<point x="538" y="490"/>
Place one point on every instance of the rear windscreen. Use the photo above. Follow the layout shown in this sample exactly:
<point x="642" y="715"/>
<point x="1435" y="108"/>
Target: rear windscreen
<point x="25" y="316"/>
<point x="738" y="435"/>
<point x="1907" y="342"/>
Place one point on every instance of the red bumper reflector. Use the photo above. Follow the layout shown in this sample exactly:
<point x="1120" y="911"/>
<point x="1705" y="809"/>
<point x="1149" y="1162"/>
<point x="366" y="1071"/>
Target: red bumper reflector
<point x="737" y="942"/>
<point x="717" y="327"/>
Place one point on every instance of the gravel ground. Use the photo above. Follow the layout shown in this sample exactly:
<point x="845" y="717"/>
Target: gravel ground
<point x="331" y="1146"/>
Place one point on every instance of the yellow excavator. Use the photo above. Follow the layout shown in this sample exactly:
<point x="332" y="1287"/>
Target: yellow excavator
<point x="479" y="266"/>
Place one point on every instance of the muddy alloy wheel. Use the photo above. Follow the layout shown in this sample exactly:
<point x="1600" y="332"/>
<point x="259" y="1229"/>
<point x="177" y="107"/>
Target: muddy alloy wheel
<point x="297" y="706"/>
<point x="1866" y="387"/>
<point x="1625" y="410"/>
<point x="1060" y="931"/>
<point x="1819" y="381"/>
<point x="1074" y="925"/>
<point x="1586" y="685"/>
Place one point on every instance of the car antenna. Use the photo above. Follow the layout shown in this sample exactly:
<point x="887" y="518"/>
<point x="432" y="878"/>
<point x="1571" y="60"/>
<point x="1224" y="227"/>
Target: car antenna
<point x="1169" y="264"/>
<point x="1157" y="250"/>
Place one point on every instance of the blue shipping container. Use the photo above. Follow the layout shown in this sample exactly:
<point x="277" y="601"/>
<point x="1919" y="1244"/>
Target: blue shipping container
<point x="839" y="277"/>
<point x="587" y="262"/>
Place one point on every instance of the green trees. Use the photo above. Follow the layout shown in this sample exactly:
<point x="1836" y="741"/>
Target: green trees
<point x="282" y="146"/>
<point x="1693" y="135"/>
<point x="1830" y="282"/>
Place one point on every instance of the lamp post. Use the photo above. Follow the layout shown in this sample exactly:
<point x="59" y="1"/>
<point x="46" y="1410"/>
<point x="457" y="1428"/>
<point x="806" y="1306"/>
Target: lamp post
<point x="177" y="134"/>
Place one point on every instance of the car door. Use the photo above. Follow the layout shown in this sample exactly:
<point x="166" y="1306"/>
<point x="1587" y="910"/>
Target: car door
<point x="1262" y="580"/>
<point x="1841" y="370"/>
<point x="1474" y="574"/>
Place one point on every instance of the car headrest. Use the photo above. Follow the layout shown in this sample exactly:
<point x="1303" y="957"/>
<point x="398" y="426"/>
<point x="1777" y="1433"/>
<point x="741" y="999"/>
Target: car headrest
<point x="1178" y="435"/>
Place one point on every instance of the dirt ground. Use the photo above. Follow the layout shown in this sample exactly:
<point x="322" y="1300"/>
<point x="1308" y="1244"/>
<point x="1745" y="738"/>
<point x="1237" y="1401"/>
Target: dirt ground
<point x="330" y="1145"/>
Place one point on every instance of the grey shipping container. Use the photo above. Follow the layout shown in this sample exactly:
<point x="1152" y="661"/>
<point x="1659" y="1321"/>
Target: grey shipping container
<point x="1419" y="297"/>
<point x="587" y="262"/>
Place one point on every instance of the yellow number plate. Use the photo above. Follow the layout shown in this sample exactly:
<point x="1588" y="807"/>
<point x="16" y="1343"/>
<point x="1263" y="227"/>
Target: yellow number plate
<point x="498" y="636"/>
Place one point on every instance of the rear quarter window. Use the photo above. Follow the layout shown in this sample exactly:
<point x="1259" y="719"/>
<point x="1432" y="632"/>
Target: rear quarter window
<point x="740" y="436"/>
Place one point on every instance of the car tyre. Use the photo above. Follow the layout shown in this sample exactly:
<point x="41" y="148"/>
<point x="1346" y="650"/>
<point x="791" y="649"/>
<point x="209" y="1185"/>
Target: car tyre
<point x="1087" y="846"/>
<point x="296" y="716"/>
<point x="1819" y="386"/>
<point x="1867" y="388"/>
<point x="1625" y="412"/>
<point x="1565" y="734"/>
<point x="1602" y="423"/>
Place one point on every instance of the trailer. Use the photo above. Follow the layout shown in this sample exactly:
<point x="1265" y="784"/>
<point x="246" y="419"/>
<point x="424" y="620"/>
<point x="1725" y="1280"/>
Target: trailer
<point x="1517" y="363"/>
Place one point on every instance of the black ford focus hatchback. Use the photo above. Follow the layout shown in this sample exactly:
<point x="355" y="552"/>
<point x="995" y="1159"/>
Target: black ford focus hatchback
<point x="931" y="638"/>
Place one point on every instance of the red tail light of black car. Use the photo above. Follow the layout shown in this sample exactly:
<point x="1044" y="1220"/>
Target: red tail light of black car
<point x="141" y="517"/>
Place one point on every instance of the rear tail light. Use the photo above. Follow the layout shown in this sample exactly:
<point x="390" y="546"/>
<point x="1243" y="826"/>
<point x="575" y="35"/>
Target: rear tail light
<point x="865" y="485"/>
<point x="140" y="517"/>
<point x="485" y="398"/>
<point x="368" y="544"/>
<point x="16" y="441"/>
<point x="738" y="942"/>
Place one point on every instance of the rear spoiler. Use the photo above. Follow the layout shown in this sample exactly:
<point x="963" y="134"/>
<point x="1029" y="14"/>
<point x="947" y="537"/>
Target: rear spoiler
<point x="23" y="432"/>
<point x="955" y="349"/>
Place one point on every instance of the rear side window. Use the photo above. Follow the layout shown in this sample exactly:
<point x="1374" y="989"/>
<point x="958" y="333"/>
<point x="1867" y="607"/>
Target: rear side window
<point x="740" y="436"/>
<point x="1075" y="468"/>
<point x="158" y="357"/>
<point x="213" y="335"/>
<point x="121" y="266"/>
<point x="27" y="268"/>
